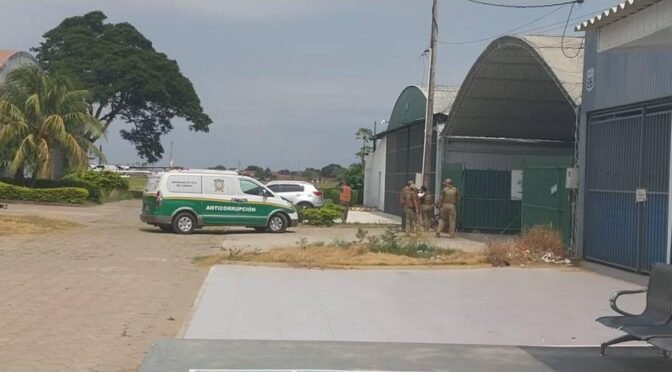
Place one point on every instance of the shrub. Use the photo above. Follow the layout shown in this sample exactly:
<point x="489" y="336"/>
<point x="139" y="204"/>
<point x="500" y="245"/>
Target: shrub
<point x="107" y="181"/>
<point x="390" y="242"/>
<point x="324" y="216"/>
<point x="70" y="195"/>
<point x="538" y="244"/>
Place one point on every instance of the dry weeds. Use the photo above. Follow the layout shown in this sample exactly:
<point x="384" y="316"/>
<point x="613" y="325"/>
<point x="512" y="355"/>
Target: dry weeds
<point x="538" y="245"/>
<point x="24" y="225"/>
<point x="334" y="257"/>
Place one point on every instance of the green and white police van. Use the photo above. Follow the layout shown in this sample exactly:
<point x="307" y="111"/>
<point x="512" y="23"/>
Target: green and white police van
<point x="184" y="200"/>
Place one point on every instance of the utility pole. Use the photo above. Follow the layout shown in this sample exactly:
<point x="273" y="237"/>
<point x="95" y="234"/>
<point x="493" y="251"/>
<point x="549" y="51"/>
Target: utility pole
<point x="429" y="114"/>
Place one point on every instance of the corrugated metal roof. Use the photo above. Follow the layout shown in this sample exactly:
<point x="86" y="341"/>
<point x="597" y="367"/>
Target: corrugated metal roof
<point x="521" y="87"/>
<point x="444" y="96"/>
<point x="615" y="13"/>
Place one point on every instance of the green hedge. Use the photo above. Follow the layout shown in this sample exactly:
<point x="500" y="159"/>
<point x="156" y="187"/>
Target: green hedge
<point x="95" y="192"/>
<point x="107" y="181"/>
<point x="69" y="195"/>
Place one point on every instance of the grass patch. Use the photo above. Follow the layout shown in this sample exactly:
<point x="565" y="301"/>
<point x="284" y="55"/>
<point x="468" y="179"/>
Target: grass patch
<point x="136" y="182"/>
<point x="541" y="244"/>
<point x="23" y="225"/>
<point x="388" y="249"/>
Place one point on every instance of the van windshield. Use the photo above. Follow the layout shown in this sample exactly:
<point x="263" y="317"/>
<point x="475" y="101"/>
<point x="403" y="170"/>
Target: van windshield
<point x="152" y="184"/>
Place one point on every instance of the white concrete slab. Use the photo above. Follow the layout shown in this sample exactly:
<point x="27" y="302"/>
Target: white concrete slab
<point x="372" y="217"/>
<point x="472" y="306"/>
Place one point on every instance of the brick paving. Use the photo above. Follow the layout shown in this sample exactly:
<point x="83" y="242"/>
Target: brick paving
<point x="94" y="298"/>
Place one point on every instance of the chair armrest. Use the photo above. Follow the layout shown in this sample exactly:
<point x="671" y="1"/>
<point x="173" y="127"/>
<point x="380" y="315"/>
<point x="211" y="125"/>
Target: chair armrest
<point x="615" y="296"/>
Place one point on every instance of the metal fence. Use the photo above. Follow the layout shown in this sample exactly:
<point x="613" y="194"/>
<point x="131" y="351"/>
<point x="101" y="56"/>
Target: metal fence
<point x="628" y="150"/>
<point x="405" y="150"/>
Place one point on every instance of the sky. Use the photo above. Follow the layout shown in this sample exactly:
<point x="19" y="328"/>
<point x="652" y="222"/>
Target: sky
<point x="288" y="82"/>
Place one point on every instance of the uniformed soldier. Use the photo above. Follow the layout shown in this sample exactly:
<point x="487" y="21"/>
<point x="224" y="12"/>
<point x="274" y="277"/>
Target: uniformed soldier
<point x="411" y="209"/>
<point x="426" y="207"/>
<point x="447" y="204"/>
<point x="402" y="203"/>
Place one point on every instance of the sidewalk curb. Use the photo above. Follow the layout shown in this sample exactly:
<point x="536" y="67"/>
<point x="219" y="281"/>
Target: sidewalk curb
<point x="192" y="311"/>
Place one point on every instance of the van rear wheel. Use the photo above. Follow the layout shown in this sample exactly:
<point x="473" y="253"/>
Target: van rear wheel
<point x="184" y="223"/>
<point x="277" y="223"/>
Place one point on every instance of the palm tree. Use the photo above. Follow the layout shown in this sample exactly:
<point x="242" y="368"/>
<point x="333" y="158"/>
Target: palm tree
<point x="42" y="115"/>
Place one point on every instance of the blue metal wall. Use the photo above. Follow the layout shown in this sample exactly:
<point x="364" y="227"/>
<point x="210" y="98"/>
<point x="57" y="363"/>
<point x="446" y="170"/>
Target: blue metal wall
<point x="627" y="149"/>
<point x="625" y="76"/>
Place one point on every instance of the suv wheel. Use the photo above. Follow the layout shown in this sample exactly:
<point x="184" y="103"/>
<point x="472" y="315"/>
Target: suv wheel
<point x="277" y="223"/>
<point x="304" y="205"/>
<point x="184" y="223"/>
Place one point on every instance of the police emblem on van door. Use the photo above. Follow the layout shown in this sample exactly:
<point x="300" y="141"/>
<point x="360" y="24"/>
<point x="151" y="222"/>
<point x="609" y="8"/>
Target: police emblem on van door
<point x="219" y="186"/>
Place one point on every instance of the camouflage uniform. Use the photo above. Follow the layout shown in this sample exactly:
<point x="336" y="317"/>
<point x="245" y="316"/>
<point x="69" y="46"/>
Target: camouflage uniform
<point x="450" y="196"/>
<point x="427" y="210"/>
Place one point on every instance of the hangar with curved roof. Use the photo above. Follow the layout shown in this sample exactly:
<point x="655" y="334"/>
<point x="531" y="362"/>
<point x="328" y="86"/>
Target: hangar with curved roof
<point x="400" y="148"/>
<point x="515" y="111"/>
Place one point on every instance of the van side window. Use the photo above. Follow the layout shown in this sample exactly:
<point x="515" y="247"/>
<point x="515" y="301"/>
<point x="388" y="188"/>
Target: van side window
<point x="250" y="188"/>
<point x="184" y="184"/>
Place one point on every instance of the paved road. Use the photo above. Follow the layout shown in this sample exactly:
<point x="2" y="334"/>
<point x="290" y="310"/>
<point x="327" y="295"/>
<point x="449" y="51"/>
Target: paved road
<point x="534" y="307"/>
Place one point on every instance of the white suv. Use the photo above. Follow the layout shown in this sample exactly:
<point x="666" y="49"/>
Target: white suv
<point x="300" y="193"/>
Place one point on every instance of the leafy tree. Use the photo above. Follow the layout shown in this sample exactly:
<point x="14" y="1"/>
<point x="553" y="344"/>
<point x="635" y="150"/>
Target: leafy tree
<point x="285" y="172"/>
<point x="332" y="171"/>
<point x="128" y="79"/>
<point x="365" y="135"/>
<point x="40" y="114"/>
<point x="354" y="176"/>
<point x="219" y="167"/>
<point x="311" y="174"/>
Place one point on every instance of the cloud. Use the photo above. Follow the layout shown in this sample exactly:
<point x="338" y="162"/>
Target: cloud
<point x="233" y="10"/>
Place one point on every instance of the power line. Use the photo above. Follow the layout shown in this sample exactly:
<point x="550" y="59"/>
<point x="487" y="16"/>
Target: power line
<point x="564" y="34"/>
<point x="524" y="6"/>
<point x="503" y="33"/>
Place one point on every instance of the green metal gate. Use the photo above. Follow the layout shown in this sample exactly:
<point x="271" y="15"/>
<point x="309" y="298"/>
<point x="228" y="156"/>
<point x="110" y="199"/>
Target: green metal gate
<point x="547" y="200"/>
<point x="486" y="203"/>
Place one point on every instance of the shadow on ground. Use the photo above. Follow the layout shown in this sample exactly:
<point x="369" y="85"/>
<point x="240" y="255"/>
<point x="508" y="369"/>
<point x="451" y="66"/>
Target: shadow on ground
<point x="182" y="355"/>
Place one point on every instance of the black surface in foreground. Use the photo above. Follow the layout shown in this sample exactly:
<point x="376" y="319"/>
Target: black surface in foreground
<point x="183" y="355"/>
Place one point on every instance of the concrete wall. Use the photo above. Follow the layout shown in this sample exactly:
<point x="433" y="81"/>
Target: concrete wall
<point x="374" y="177"/>
<point x="501" y="155"/>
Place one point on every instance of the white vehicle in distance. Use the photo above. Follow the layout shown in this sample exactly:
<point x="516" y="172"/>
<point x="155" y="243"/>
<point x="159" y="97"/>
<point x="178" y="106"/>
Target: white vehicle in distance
<point x="300" y="193"/>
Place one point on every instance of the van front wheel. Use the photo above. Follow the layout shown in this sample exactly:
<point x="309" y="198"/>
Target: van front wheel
<point x="184" y="223"/>
<point x="277" y="223"/>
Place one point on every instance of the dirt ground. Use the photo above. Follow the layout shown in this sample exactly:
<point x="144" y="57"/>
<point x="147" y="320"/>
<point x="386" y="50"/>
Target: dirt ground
<point x="97" y="295"/>
<point x="94" y="297"/>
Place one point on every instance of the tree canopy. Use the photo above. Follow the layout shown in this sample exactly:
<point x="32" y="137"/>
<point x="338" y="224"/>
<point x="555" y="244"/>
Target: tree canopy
<point x="40" y="113"/>
<point x="332" y="171"/>
<point x="127" y="78"/>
